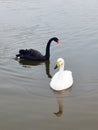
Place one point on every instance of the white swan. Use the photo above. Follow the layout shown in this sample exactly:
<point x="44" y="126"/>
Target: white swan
<point x="62" y="79"/>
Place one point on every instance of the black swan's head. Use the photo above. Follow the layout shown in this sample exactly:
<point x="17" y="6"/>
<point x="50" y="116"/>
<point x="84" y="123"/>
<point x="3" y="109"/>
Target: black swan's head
<point x="55" y="39"/>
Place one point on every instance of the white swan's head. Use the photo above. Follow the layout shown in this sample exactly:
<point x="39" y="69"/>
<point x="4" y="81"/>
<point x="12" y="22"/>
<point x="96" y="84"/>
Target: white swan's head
<point x="59" y="62"/>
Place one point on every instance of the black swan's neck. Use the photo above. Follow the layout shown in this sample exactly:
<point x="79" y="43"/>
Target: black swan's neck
<point x="47" y="55"/>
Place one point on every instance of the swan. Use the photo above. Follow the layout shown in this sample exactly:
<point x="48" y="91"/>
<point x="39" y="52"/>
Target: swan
<point x="31" y="54"/>
<point x="63" y="79"/>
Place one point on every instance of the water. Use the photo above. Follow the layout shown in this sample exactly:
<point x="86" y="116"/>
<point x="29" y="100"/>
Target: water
<point x="26" y="100"/>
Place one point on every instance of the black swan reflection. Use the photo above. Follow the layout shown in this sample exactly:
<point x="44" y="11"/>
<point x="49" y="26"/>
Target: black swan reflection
<point x="31" y="54"/>
<point x="28" y="63"/>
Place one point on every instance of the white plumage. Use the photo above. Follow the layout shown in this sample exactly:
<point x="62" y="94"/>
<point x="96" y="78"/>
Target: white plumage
<point x="63" y="78"/>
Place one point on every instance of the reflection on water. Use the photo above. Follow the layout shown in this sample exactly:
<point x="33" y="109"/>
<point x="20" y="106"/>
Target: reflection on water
<point x="59" y="95"/>
<point x="28" y="63"/>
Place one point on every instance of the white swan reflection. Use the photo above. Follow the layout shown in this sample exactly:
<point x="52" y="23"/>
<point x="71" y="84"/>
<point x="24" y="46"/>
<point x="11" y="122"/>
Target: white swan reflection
<point x="59" y="95"/>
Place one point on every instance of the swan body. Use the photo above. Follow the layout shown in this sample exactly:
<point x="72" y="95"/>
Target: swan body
<point x="31" y="54"/>
<point x="63" y="78"/>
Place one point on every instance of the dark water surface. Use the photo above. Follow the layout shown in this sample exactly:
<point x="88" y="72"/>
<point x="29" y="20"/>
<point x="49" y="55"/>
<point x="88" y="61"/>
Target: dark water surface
<point x="26" y="100"/>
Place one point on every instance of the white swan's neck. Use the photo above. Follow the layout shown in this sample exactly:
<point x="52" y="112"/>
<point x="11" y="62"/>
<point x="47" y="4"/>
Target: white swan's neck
<point x="61" y="69"/>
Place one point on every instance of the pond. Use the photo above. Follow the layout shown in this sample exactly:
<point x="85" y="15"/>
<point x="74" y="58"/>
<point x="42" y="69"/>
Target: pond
<point x="26" y="100"/>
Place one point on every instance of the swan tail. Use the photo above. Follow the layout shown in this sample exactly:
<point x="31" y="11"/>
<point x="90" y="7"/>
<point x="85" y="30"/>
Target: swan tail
<point x="21" y="53"/>
<point x="18" y="55"/>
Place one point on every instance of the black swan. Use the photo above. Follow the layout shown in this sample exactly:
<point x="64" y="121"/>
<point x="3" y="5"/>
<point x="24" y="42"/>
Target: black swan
<point x="31" y="54"/>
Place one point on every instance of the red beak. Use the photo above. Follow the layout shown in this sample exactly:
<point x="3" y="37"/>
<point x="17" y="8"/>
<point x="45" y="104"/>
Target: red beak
<point x="58" y="42"/>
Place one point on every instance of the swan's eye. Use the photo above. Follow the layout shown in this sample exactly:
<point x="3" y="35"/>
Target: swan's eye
<point x="60" y="62"/>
